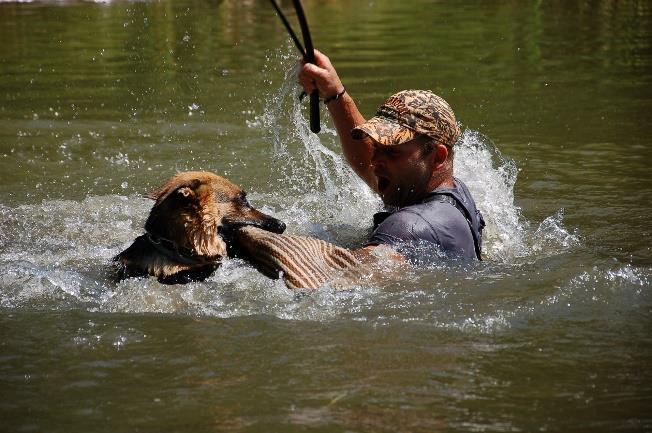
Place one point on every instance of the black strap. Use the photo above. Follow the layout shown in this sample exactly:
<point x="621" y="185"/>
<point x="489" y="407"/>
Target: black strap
<point x="293" y="35"/>
<point x="379" y="217"/>
<point x="308" y="54"/>
<point x="453" y="201"/>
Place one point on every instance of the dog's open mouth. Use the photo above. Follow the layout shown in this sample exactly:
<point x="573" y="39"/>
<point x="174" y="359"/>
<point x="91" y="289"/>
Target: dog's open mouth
<point x="230" y="228"/>
<point x="271" y="225"/>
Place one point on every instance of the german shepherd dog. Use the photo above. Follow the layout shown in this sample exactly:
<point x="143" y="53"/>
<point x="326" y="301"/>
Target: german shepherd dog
<point x="190" y="229"/>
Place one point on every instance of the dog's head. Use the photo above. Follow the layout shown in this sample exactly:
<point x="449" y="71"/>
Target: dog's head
<point x="199" y="211"/>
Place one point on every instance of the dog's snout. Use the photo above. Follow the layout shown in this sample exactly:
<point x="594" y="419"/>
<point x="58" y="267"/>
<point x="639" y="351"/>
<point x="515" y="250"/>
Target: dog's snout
<point x="262" y="221"/>
<point x="276" y="226"/>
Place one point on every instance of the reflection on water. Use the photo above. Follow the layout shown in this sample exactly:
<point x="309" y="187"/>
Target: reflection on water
<point x="102" y="102"/>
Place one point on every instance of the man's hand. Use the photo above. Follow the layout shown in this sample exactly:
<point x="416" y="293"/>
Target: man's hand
<point x="321" y="76"/>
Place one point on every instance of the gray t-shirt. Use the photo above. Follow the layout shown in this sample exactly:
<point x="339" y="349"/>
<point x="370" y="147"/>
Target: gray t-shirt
<point x="436" y="220"/>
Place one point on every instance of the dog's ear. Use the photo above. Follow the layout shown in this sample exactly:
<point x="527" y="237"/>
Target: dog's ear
<point x="184" y="187"/>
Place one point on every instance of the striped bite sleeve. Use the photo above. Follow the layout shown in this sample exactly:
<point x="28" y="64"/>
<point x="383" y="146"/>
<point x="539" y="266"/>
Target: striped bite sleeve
<point x="304" y="262"/>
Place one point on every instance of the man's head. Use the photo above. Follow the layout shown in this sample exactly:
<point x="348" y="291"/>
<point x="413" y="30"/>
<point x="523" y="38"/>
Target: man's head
<point x="413" y="135"/>
<point x="408" y="114"/>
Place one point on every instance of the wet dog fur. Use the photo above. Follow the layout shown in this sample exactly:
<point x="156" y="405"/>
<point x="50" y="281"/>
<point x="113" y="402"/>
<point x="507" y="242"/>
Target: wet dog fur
<point x="189" y="229"/>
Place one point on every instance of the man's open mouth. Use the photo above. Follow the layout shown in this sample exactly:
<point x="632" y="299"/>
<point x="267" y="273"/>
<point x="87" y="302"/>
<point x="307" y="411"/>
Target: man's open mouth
<point x="383" y="183"/>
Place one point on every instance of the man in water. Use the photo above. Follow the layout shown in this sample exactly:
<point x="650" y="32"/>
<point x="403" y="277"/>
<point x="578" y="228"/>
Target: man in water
<point x="405" y="154"/>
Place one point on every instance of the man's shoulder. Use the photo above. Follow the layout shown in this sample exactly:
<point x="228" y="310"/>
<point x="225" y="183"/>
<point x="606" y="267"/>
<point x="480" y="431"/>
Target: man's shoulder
<point x="403" y="222"/>
<point x="423" y="221"/>
<point x="437" y="214"/>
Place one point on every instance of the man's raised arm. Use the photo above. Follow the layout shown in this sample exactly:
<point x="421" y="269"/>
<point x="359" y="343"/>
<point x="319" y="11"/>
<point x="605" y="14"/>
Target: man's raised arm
<point x="344" y="112"/>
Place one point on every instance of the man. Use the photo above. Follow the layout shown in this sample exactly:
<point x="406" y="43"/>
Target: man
<point x="405" y="154"/>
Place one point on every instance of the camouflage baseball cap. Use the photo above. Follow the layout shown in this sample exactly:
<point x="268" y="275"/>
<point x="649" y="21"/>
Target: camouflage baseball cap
<point x="408" y="114"/>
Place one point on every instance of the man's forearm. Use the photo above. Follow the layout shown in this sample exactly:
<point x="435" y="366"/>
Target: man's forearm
<point x="358" y="153"/>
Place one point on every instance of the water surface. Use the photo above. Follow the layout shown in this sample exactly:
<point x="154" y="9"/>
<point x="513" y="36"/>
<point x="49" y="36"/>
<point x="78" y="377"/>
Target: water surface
<point x="101" y="102"/>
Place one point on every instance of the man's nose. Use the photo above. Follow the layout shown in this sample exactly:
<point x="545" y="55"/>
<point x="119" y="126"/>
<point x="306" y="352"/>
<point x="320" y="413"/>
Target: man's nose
<point x="376" y="157"/>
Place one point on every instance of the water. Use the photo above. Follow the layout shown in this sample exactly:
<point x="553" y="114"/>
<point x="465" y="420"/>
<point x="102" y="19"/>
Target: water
<point x="103" y="102"/>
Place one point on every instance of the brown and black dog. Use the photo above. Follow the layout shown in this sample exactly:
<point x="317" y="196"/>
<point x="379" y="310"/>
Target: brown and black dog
<point x="189" y="229"/>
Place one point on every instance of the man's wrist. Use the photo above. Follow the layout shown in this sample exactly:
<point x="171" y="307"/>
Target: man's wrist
<point x="335" y="97"/>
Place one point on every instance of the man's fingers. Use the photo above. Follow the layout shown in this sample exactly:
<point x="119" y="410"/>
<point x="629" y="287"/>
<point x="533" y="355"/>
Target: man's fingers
<point x="321" y="76"/>
<point x="322" y="60"/>
<point x="315" y="72"/>
<point x="308" y="74"/>
<point x="306" y="82"/>
<point x="307" y="87"/>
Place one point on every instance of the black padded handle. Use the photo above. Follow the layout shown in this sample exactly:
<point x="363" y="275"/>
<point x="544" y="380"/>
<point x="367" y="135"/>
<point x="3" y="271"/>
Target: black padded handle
<point x="310" y="58"/>
<point x="314" y="112"/>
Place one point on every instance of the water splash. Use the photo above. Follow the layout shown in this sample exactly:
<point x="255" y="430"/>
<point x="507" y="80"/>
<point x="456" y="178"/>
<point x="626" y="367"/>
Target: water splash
<point x="52" y="254"/>
<point x="610" y="291"/>
<point x="55" y="255"/>
<point x="508" y="236"/>
<point x="317" y="180"/>
<point x="491" y="178"/>
<point x="551" y="236"/>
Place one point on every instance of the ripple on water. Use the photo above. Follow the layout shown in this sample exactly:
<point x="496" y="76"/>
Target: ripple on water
<point x="598" y="293"/>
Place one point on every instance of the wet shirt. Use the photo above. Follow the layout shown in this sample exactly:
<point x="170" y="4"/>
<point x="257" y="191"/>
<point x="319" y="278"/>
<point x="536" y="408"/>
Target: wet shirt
<point x="447" y="217"/>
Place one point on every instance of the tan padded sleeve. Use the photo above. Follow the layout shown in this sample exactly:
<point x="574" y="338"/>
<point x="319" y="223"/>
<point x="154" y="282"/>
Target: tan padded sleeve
<point x="304" y="262"/>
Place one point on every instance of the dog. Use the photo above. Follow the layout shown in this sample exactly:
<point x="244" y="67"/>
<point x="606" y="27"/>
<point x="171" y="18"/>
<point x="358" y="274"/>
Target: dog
<point x="190" y="229"/>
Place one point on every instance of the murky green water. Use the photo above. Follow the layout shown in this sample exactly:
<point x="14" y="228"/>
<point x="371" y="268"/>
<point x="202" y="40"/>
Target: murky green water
<point x="99" y="103"/>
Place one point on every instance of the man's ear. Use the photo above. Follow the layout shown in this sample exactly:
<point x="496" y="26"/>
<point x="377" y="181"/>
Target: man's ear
<point x="440" y="154"/>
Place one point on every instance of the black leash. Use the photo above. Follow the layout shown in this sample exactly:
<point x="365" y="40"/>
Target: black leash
<point x="308" y="55"/>
<point x="289" y="29"/>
